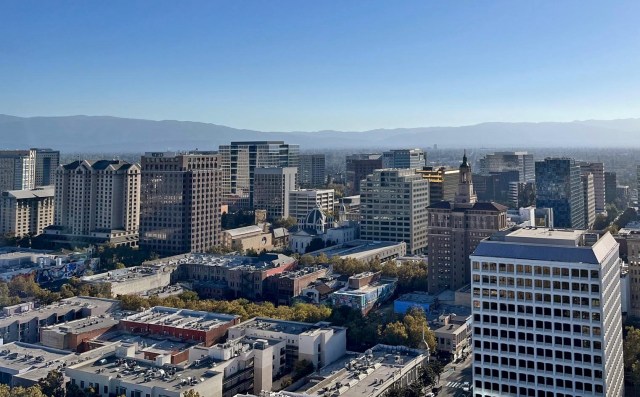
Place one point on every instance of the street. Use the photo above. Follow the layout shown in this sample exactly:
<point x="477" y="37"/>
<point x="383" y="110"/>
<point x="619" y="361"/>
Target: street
<point x="451" y="380"/>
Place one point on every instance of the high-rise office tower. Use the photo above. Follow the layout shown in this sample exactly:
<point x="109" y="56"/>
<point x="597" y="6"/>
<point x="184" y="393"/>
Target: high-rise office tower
<point x="358" y="167"/>
<point x="181" y="202"/>
<point x="610" y="187"/>
<point x="47" y="162"/>
<point x="455" y="229"/>
<point x="312" y="170"/>
<point x="26" y="212"/>
<point x="271" y="190"/>
<point x="393" y="207"/>
<point x="97" y="201"/>
<point x="547" y="315"/>
<point x="559" y="186"/>
<point x="240" y="160"/>
<point x="597" y="170"/>
<point x="443" y="183"/>
<point x="302" y="201"/>
<point x="509" y="161"/>
<point x="404" y="158"/>
<point x="17" y="169"/>
<point x="589" y="200"/>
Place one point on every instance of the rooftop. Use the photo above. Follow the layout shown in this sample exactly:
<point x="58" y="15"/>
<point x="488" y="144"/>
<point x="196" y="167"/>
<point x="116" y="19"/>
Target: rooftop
<point x="263" y="261"/>
<point x="547" y="245"/>
<point x="243" y="230"/>
<point x="356" y="249"/>
<point x="84" y="325"/>
<point x="65" y="305"/>
<point x="283" y="326"/>
<point x="46" y="191"/>
<point x="368" y="374"/>
<point x="182" y="318"/>
<point x="124" y="275"/>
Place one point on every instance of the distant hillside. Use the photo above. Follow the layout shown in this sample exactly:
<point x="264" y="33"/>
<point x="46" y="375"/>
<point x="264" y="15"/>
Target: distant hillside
<point x="113" y="134"/>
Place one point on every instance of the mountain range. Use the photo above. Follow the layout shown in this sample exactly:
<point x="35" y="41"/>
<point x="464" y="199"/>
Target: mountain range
<point x="95" y="134"/>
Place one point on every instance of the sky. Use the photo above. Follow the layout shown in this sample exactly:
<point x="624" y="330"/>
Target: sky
<point x="316" y="65"/>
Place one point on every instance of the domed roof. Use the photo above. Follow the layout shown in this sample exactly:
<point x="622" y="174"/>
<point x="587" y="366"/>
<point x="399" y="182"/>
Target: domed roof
<point x="315" y="217"/>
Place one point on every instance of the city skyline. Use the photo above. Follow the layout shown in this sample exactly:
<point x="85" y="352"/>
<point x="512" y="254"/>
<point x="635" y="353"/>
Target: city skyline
<point x="317" y="67"/>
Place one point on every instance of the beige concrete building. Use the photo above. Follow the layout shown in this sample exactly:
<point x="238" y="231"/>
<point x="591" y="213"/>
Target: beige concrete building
<point x="302" y="201"/>
<point x="26" y="212"/>
<point x="96" y="202"/>
<point x="271" y="187"/>
<point x="181" y="202"/>
<point x="393" y="207"/>
<point x="443" y="183"/>
<point x="597" y="169"/>
<point x="17" y="169"/>
<point x="256" y="237"/>
<point x="455" y="229"/>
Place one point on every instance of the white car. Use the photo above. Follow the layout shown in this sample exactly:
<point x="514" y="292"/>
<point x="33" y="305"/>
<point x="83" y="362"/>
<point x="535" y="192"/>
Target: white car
<point x="430" y="394"/>
<point x="466" y="386"/>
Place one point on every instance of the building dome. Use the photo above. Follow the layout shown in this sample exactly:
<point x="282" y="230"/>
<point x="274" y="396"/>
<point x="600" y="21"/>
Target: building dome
<point x="315" y="217"/>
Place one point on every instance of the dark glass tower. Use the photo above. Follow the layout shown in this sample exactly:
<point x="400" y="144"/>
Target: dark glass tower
<point x="559" y="186"/>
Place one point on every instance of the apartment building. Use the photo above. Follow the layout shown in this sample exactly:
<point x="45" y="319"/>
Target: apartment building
<point x="26" y="212"/>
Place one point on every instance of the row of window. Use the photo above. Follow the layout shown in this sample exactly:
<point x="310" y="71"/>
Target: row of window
<point x="536" y="270"/>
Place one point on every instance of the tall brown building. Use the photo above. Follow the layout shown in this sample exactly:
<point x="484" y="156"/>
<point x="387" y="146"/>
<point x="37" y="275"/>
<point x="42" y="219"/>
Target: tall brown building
<point x="454" y="231"/>
<point x="180" y="202"/>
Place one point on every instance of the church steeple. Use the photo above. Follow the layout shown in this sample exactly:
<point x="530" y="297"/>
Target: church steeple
<point x="465" y="195"/>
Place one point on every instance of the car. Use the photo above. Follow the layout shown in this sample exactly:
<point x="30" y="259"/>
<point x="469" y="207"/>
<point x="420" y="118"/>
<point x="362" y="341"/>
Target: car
<point x="430" y="394"/>
<point x="466" y="386"/>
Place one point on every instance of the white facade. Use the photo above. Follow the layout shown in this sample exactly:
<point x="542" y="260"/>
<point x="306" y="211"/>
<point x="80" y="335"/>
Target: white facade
<point x="547" y="315"/>
<point x="271" y="187"/>
<point x="17" y="169"/>
<point x="302" y="201"/>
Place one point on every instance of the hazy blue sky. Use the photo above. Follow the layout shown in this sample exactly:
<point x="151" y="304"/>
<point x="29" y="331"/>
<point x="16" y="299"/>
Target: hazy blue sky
<point x="309" y="65"/>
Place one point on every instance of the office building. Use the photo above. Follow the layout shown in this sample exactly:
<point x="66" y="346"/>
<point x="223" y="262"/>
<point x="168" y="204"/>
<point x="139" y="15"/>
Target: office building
<point x="303" y="201"/>
<point x="443" y="183"/>
<point x="312" y="170"/>
<point x="96" y="202"/>
<point x="522" y="162"/>
<point x="597" y="170"/>
<point x="320" y="343"/>
<point x="404" y="158"/>
<point x="393" y="207"/>
<point x="559" y="186"/>
<point x="358" y="167"/>
<point x="181" y="198"/>
<point x="547" y="315"/>
<point x="610" y="187"/>
<point x="46" y="164"/>
<point x="272" y="187"/>
<point x="455" y="229"/>
<point x="496" y="186"/>
<point x="241" y="159"/>
<point x="26" y="212"/>
<point x="17" y="169"/>
<point x="589" y="200"/>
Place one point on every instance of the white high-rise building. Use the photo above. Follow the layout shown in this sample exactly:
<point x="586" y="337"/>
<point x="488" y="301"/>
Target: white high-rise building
<point x="17" y="169"/>
<point x="393" y="207"/>
<point x="302" y="201"/>
<point x="547" y="315"/>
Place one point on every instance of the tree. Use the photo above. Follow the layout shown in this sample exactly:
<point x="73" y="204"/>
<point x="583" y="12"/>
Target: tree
<point x="286" y="223"/>
<point x="631" y="351"/>
<point x="33" y="391"/>
<point x="53" y="384"/>
<point x="191" y="393"/>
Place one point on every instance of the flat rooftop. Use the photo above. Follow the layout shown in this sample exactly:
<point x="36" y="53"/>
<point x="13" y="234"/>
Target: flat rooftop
<point x="550" y="245"/>
<point x="182" y="318"/>
<point x="264" y="261"/>
<point x="124" y="275"/>
<point x="63" y="306"/>
<point x="356" y="376"/>
<point x="21" y="357"/>
<point x="84" y="325"/>
<point x="141" y="372"/>
<point x="283" y="326"/>
<point x="367" y="288"/>
<point x="356" y="249"/>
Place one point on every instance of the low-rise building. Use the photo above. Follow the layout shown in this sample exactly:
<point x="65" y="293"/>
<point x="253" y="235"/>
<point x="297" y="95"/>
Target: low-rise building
<point x="133" y="280"/>
<point x="283" y="287"/>
<point x="452" y="336"/>
<point x="372" y="374"/>
<point x="319" y="343"/>
<point x="73" y="334"/>
<point x="181" y="324"/>
<point x="364" y="291"/>
<point x="22" y="322"/>
<point x="318" y="226"/>
<point x="253" y="237"/>
<point x="365" y="250"/>
<point x="45" y="266"/>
